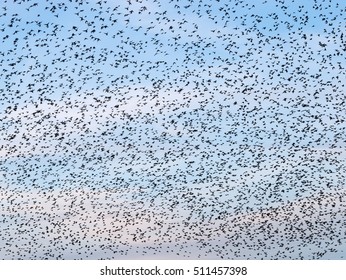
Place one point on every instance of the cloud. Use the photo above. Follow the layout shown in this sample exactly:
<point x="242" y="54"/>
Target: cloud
<point x="36" y="124"/>
<point x="112" y="223"/>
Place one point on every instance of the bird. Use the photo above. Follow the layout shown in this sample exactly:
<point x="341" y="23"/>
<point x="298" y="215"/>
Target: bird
<point x="181" y="129"/>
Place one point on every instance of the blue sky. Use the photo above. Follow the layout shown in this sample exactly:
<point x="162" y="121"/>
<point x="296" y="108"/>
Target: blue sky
<point x="184" y="113"/>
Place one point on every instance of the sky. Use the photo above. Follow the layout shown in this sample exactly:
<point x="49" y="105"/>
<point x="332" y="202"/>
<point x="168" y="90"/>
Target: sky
<point x="172" y="129"/>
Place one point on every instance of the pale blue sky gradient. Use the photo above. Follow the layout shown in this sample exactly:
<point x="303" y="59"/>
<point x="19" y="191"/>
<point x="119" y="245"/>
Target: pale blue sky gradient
<point x="128" y="124"/>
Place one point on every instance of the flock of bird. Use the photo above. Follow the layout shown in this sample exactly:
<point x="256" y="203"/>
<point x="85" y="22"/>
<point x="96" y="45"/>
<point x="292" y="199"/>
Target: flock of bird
<point x="172" y="129"/>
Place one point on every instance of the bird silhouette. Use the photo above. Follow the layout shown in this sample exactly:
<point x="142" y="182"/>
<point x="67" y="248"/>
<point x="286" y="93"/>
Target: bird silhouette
<point x="172" y="129"/>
